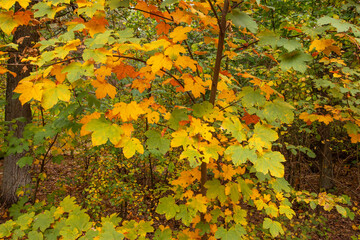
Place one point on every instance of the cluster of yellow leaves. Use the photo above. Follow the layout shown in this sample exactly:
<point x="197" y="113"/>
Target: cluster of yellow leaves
<point x="315" y="117"/>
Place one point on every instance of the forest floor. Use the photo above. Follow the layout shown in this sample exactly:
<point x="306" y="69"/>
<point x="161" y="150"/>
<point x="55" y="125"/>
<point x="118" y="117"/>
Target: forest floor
<point x="308" y="224"/>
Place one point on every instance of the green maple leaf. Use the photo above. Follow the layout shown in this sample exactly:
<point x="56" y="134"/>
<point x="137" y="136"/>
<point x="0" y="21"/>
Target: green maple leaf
<point x="165" y="234"/>
<point x="43" y="221"/>
<point x="192" y="155"/>
<point x="68" y="204"/>
<point x="215" y="190"/>
<point x="6" y="228"/>
<point x="108" y="232"/>
<point x="24" y="220"/>
<point x="341" y="26"/>
<point x="35" y="235"/>
<point x="235" y="232"/>
<point x="270" y="162"/>
<point x="99" y="40"/>
<point x="202" y="109"/>
<point x="295" y="60"/>
<point x="240" y="154"/>
<point x="274" y="227"/>
<point x="241" y="19"/>
<point x="176" y="116"/>
<point x="44" y="9"/>
<point x="185" y="215"/>
<point x="278" y="110"/>
<point x="168" y="207"/>
<point x="251" y="97"/>
<point x="156" y="143"/>
<point x="234" y="126"/>
<point x="80" y="220"/>
<point x="7" y="23"/>
<point x="280" y="184"/>
<point x="103" y="131"/>
<point x="289" y="45"/>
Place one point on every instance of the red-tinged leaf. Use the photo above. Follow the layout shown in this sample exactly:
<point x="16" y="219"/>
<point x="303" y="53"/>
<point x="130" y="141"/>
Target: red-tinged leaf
<point x="124" y="70"/>
<point x="250" y="118"/>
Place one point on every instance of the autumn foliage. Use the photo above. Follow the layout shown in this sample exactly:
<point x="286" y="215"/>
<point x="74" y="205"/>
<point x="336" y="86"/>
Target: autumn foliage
<point x="198" y="91"/>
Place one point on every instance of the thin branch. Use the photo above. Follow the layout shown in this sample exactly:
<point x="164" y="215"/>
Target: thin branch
<point x="214" y="11"/>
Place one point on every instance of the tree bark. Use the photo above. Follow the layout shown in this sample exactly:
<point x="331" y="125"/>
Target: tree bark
<point x="14" y="176"/>
<point x="326" y="164"/>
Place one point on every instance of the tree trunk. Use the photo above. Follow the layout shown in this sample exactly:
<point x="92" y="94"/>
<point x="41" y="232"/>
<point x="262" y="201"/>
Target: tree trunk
<point x="326" y="164"/>
<point x="14" y="176"/>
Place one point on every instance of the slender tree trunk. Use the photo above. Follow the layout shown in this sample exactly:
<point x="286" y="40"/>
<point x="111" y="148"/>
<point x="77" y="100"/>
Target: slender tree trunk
<point x="14" y="176"/>
<point x="326" y="164"/>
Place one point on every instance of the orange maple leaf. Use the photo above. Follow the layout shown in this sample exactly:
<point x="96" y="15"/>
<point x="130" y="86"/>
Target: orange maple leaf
<point x="162" y="28"/>
<point x="124" y="70"/>
<point x="103" y="88"/>
<point x="96" y="25"/>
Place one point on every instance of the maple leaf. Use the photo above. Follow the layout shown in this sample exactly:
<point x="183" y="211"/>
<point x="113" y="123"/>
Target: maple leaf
<point x="194" y="84"/>
<point x="129" y="111"/>
<point x="249" y="119"/>
<point x="228" y="172"/>
<point x="185" y="61"/>
<point x="130" y="146"/>
<point x="96" y="25"/>
<point x="274" y="227"/>
<point x="87" y="119"/>
<point x="29" y="91"/>
<point x="7" y="22"/>
<point x="168" y="207"/>
<point x="270" y="162"/>
<point x="53" y="93"/>
<point x="103" y="88"/>
<point x="124" y="70"/>
<point x="7" y="4"/>
<point x="102" y="131"/>
<point x="240" y="154"/>
<point x="174" y="51"/>
<point x="56" y="71"/>
<point x="234" y="126"/>
<point x="179" y="33"/>
<point x="4" y="70"/>
<point x="215" y="190"/>
<point x="198" y="203"/>
<point x="180" y="138"/>
<point x="159" y="61"/>
<point x="162" y="28"/>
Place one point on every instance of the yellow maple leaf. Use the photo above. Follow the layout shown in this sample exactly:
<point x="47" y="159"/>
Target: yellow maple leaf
<point x="198" y="203"/>
<point x="194" y="84"/>
<point x="53" y="93"/>
<point x="228" y="172"/>
<point x="159" y="61"/>
<point x="179" y="33"/>
<point x="130" y="146"/>
<point x="156" y="44"/>
<point x="185" y="61"/>
<point x="127" y="112"/>
<point x="7" y="4"/>
<point x="29" y="91"/>
<point x="174" y="51"/>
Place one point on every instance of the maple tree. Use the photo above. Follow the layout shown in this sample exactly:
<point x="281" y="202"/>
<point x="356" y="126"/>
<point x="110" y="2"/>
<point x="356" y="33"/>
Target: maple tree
<point x="180" y="84"/>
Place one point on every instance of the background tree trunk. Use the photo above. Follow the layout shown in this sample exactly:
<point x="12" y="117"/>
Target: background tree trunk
<point x="326" y="164"/>
<point x="14" y="176"/>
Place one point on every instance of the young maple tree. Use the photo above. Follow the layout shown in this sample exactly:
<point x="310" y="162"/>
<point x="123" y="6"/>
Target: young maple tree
<point x="180" y="90"/>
